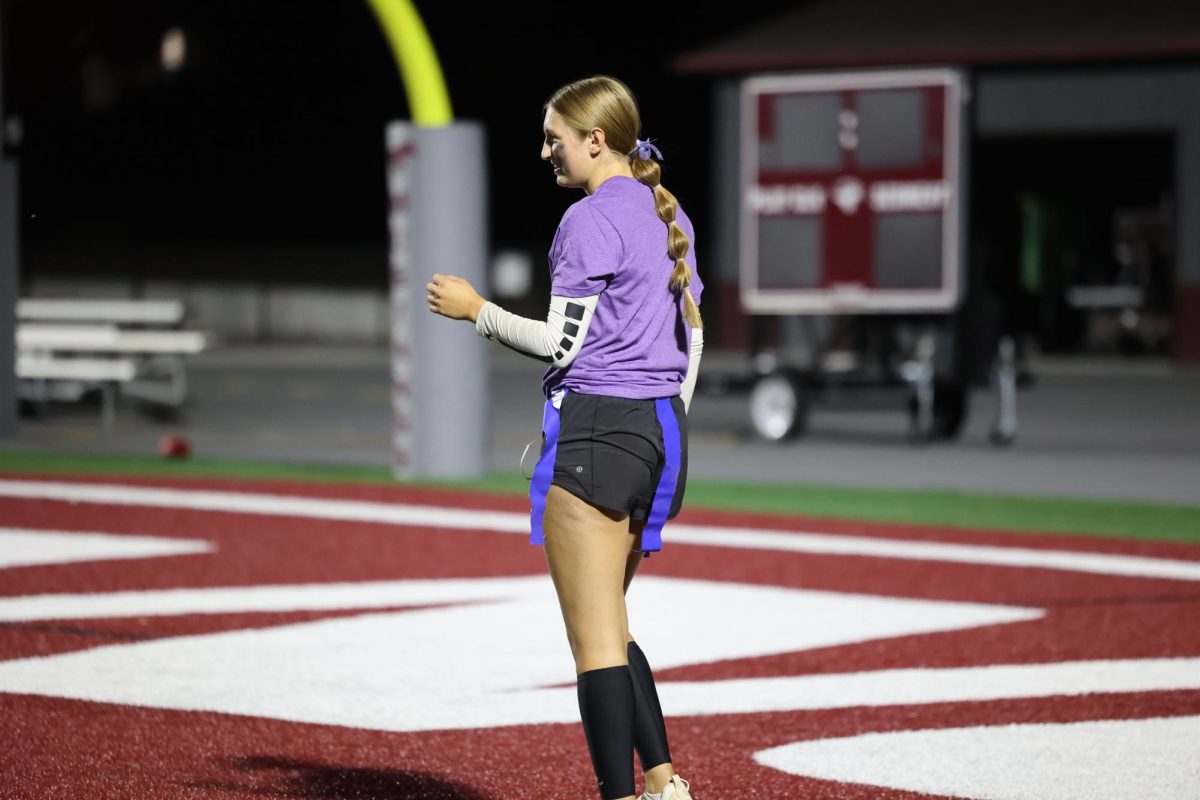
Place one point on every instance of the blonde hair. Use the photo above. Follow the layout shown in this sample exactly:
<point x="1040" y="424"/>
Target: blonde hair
<point x="608" y="104"/>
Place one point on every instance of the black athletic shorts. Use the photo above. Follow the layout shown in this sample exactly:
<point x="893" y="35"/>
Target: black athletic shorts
<point x="611" y="452"/>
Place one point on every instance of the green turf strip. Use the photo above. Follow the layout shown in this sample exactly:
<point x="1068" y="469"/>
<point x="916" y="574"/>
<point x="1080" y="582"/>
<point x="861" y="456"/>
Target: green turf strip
<point x="1137" y="520"/>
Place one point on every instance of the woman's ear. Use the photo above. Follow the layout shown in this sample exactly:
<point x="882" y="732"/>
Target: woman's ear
<point x="596" y="141"/>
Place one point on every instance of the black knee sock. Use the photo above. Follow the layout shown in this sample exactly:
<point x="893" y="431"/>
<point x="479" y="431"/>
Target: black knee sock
<point x="606" y="708"/>
<point x="649" y="729"/>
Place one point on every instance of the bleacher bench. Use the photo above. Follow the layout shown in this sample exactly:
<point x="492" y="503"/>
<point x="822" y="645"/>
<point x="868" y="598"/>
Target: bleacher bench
<point x="66" y="346"/>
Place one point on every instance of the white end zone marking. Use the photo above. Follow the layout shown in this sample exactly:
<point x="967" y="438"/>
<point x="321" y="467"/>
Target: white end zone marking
<point x="270" y="504"/>
<point x="421" y="670"/>
<point x="22" y="548"/>
<point x="242" y="599"/>
<point x="1155" y="758"/>
<point x="507" y="522"/>
<point x="898" y="687"/>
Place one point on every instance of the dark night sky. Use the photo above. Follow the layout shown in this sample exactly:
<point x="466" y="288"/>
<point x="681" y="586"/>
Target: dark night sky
<point x="272" y="133"/>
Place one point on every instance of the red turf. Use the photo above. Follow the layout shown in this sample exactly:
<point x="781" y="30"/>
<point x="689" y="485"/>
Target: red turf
<point x="60" y="748"/>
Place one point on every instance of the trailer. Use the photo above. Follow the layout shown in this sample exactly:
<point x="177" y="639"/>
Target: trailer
<point x="852" y="229"/>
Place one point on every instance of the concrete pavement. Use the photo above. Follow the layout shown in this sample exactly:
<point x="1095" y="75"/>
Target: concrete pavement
<point x="1087" y="428"/>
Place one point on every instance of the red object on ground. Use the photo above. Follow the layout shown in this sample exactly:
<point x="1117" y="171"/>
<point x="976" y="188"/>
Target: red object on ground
<point x="174" y="447"/>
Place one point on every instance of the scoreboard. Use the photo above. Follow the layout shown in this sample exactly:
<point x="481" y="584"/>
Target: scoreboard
<point x="851" y="192"/>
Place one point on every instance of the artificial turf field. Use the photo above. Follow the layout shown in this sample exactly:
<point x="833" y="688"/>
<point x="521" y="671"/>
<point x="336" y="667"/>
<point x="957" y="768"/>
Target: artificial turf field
<point x="216" y="630"/>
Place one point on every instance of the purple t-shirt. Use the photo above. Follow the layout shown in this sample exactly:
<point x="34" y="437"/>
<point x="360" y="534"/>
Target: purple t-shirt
<point x="613" y="244"/>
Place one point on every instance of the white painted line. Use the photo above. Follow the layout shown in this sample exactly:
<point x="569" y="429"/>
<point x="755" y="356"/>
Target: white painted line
<point x="1070" y="560"/>
<point x="273" y="505"/>
<point x="508" y="522"/>
<point x="1095" y="760"/>
<point x="899" y="687"/>
<point x="419" y="669"/>
<point x="22" y="548"/>
<point x="806" y="618"/>
<point x="244" y="599"/>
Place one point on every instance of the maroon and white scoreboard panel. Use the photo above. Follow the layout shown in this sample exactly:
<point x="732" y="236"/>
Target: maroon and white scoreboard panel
<point x="851" y="187"/>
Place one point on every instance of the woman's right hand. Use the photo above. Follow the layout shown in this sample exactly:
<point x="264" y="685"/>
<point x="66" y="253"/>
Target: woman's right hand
<point x="453" y="297"/>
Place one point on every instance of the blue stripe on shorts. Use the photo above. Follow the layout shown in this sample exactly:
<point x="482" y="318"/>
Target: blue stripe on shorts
<point x="543" y="473"/>
<point x="665" y="493"/>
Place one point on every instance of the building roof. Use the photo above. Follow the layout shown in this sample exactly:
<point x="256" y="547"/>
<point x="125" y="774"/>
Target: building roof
<point x="864" y="33"/>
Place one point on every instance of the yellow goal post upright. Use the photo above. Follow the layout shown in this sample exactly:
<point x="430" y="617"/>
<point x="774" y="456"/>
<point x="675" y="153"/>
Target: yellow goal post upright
<point x="437" y="187"/>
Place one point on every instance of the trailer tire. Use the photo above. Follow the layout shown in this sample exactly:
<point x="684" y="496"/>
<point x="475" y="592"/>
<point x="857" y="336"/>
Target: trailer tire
<point x="779" y="406"/>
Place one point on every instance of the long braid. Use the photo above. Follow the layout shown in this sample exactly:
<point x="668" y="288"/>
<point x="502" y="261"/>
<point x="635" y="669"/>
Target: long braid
<point x="650" y="173"/>
<point x="604" y="102"/>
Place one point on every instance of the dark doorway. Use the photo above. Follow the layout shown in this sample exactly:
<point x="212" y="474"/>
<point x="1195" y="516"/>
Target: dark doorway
<point x="1072" y="241"/>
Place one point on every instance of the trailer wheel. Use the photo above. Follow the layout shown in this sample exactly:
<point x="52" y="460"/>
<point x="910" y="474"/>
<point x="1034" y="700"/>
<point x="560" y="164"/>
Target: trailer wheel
<point x="778" y="406"/>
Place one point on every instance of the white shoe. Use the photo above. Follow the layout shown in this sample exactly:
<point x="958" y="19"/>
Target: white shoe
<point x="676" y="789"/>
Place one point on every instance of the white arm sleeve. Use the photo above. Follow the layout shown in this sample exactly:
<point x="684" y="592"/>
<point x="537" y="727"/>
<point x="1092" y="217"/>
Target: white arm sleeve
<point x="556" y="340"/>
<point x="689" y="381"/>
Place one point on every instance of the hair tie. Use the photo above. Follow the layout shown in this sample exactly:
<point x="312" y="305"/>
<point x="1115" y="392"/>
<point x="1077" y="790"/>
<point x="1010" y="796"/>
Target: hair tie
<point x="645" y="149"/>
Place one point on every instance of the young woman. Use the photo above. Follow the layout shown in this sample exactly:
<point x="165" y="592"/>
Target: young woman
<point x="623" y="340"/>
